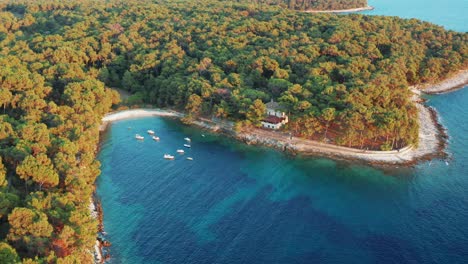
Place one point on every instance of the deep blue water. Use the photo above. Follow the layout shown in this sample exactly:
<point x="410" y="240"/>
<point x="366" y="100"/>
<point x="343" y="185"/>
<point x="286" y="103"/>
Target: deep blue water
<point x="243" y="204"/>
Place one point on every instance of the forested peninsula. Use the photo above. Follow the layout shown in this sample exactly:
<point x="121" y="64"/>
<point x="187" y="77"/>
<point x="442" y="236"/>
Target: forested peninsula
<point x="304" y="5"/>
<point x="342" y="79"/>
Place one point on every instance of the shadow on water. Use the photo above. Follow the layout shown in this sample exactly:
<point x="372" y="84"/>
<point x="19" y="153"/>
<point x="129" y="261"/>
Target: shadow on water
<point x="334" y="187"/>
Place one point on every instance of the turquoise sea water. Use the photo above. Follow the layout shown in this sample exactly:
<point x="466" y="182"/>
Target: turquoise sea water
<point x="241" y="204"/>
<point x="450" y="14"/>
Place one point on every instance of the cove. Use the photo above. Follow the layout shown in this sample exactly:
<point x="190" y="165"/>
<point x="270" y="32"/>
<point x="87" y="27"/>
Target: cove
<point x="242" y="204"/>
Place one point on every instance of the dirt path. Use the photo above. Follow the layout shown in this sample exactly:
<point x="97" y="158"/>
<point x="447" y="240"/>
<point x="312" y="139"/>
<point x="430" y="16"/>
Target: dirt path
<point x="351" y="10"/>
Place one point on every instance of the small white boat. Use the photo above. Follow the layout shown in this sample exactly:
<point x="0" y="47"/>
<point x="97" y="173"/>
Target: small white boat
<point x="189" y="158"/>
<point x="187" y="139"/>
<point x="151" y="132"/>
<point x="137" y="136"/>
<point x="180" y="151"/>
<point x="167" y="156"/>
<point x="155" y="138"/>
<point x="187" y="146"/>
<point x="446" y="163"/>
<point x="203" y="135"/>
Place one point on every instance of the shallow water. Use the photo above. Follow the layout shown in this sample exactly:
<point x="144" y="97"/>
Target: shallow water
<point x="243" y="204"/>
<point x="450" y="14"/>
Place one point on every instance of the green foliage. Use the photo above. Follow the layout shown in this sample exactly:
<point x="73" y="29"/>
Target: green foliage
<point x="29" y="229"/>
<point x="8" y="201"/>
<point x="8" y="254"/>
<point x="3" y="181"/>
<point x="256" y="112"/>
<point x="314" y="4"/>
<point x="386" y="147"/>
<point x="193" y="106"/>
<point x="38" y="169"/>
<point x="328" y="114"/>
<point x="353" y="64"/>
<point x="340" y="77"/>
<point x="135" y="99"/>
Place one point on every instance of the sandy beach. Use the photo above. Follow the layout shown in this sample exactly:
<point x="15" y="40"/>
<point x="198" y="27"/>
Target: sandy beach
<point x="135" y="113"/>
<point x="351" y="10"/>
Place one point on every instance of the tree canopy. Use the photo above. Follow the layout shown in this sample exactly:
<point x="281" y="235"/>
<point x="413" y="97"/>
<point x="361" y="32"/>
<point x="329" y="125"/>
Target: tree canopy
<point x="313" y="4"/>
<point x="342" y="78"/>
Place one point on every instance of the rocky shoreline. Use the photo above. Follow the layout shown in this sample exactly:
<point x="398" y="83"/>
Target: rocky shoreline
<point x="432" y="135"/>
<point x="101" y="252"/>
<point x="455" y="82"/>
<point x="432" y="138"/>
<point x="101" y="247"/>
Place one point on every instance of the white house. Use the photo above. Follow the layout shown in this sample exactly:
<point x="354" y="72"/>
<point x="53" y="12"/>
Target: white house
<point x="274" y="118"/>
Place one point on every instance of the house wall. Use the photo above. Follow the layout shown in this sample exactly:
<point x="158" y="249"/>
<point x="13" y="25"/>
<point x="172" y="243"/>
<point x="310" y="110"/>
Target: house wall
<point x="271" y="126"/>
<point x="275" y="113"/>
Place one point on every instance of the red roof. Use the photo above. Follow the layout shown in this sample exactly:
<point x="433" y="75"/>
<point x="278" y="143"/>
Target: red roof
<point x="273" y="119"/>
<point x="223" y="91"/>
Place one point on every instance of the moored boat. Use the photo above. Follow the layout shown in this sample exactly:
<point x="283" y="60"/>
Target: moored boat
<point x="137" y="136"/>
<point x="155" y="138"/>
<point x="151" y="132"/>
<point x="187" y="146"/>
<point x="189" y="158"/>
<point x="180" y="151"/>
<point x="168" y="156"/>
<point x="187" y="139"/>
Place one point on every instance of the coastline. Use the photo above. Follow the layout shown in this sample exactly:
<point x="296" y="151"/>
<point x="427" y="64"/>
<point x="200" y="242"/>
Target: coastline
<point x="450" y="84"/>
<point x="432" y="140"/>
<point x="96" y="214"/>
<point x="136" y="113"/>
<point x="431" y="137"/>
<point x="98" y="254"/>
<point x="351" y="10"/>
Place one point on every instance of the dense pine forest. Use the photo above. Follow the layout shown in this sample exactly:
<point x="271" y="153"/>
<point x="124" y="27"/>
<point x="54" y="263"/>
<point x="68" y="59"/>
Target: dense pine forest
<point x="341" y="78"/>
<point x="304" y="5"/>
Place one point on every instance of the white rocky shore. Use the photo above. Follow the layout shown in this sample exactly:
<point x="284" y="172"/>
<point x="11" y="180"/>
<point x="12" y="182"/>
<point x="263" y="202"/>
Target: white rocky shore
<point x="96" y="254"/>
<point x="452" y="83"/>
<point x="351" y="10"/>
<point x="431" y="133"/>
<point x="429" y="142"/>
